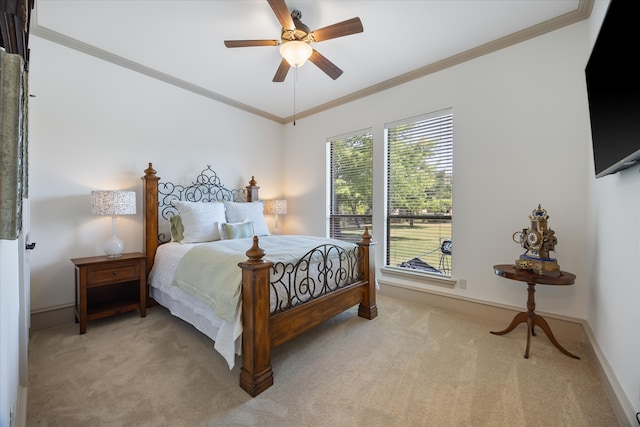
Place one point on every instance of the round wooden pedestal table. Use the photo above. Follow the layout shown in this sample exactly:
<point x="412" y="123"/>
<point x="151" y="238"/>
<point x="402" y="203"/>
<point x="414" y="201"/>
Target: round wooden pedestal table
<point x="530" y="317"/>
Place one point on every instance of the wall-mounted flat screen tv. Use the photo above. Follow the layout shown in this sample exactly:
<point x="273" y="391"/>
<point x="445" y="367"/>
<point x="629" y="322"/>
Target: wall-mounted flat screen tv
<point x="613" y="87"/>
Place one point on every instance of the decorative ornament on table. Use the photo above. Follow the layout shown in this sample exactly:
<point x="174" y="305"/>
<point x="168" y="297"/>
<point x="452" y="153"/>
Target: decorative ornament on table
<point x="538" y="240"/>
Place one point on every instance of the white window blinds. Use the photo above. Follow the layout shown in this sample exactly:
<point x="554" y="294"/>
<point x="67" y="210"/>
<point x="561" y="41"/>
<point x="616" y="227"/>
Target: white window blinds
<point x="419" y="191"/>
<point x="350" y="176"/>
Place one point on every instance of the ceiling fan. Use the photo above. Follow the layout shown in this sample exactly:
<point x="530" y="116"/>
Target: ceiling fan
<point x="296" y="38"/>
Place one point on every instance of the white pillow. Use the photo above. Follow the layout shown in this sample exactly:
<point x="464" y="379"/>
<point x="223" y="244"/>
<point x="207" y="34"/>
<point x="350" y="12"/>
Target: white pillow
<point x="201" y="220"/>
<point x="252" y="211"/>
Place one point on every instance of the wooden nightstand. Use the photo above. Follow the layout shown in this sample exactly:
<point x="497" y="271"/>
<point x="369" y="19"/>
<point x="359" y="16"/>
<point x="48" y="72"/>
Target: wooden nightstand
<point x="107" y="286"/>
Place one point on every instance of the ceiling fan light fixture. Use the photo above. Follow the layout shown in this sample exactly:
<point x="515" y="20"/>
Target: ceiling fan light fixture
<point x="296" y="52"/>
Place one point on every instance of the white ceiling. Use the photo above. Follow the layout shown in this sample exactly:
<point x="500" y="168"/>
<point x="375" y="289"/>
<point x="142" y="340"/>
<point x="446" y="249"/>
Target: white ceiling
<point x="181" y="42"/>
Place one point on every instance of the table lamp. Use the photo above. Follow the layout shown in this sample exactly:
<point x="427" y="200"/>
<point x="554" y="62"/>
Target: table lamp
<point x="276" y="207"/>
<point x="114" y="203"/>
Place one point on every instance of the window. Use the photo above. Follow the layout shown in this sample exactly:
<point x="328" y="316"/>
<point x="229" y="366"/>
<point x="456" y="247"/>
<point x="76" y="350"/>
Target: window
<point x="419" y="175"/>
<point x="350" y="175"/>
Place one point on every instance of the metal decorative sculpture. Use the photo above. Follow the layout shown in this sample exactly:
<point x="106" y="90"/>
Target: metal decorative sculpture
<point x="538" y="240"/>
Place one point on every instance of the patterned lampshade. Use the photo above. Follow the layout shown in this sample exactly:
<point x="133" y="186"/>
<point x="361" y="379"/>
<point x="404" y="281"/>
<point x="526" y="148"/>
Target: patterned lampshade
<point x="113" y="202"/>
<point x="276" y="207"/>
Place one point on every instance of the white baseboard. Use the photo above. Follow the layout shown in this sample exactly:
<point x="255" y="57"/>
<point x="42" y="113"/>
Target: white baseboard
<point x="621" y="405"/>
<point x="21" y="408"/>
<point x="52" y="316"/>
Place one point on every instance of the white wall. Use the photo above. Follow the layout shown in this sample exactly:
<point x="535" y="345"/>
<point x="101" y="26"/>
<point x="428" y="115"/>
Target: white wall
<point x="520" y="138"/>
<point x="614" y="260"/>
<point x="94" y="125"/>
<point x="9" y="318"/>
<point x="613" y="313"/>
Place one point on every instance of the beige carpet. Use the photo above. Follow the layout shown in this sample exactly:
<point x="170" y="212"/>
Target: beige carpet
<point x="414" y="365"/>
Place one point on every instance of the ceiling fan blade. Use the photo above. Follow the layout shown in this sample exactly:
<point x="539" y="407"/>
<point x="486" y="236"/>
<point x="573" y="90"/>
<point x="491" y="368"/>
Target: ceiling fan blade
<point x="282" y="13"/>
<point x="282" y="71"/>
<point x="247" y="43"/>
<point x="344" y="28"/>
<point x="325" y="65"/>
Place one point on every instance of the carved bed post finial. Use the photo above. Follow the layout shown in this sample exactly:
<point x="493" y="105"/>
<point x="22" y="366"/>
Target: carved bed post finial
<point x="255" y="252"/>
<point x="150" y="170"/>
<point x="252" y="191"/>
<point x="366" y="237"/>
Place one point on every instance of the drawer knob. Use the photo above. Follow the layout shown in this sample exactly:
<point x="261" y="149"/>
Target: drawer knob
<point x="115" y="273"/>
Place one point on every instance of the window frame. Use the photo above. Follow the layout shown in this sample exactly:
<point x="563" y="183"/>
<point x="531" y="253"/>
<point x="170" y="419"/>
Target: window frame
<point x="438" y="277"/>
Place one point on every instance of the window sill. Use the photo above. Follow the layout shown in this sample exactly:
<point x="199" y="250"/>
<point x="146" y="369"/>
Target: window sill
<point x="420" y="277"/>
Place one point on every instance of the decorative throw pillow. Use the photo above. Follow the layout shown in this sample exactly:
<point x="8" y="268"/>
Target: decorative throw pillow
<point x="177" y="229"/>
<point x="252" y="211"/>
<point x="201" y="220"/>
<point x="237" y="230"/>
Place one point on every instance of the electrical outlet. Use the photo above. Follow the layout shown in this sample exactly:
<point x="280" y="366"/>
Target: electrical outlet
<point x="462" y="283"/>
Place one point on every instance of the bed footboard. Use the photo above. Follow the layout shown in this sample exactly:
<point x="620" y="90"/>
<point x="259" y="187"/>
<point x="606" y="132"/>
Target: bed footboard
<point x="263" y="330"/>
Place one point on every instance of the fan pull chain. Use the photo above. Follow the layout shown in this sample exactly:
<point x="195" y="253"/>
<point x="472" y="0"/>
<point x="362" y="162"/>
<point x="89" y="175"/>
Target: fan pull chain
<point x="295" y="78"/>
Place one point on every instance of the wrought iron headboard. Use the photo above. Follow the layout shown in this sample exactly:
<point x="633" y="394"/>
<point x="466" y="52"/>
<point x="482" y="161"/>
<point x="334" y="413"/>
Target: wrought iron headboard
<point x="157" y="197"/>
<point x="206" y="187"/>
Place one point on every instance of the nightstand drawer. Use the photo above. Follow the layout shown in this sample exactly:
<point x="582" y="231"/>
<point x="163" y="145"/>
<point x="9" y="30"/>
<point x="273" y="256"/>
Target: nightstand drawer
<point x="122" y="273"/>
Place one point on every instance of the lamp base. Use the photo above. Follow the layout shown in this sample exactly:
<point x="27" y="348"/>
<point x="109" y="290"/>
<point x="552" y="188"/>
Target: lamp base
<point x="114" y="247"/>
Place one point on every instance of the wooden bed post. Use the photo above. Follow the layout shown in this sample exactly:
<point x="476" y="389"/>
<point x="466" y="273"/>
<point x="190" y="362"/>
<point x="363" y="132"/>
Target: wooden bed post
<point x="150" y="207"/>
<point x="368" y="308"/>
<point x="256" y="373"/>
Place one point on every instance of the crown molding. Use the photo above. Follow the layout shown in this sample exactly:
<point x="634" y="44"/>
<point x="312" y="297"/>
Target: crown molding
<point x="582" y="12"/>
<point x="88" y="49"/>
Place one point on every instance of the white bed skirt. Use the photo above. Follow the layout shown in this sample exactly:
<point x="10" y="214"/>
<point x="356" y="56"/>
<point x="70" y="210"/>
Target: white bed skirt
<point x="227" y="336"/>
